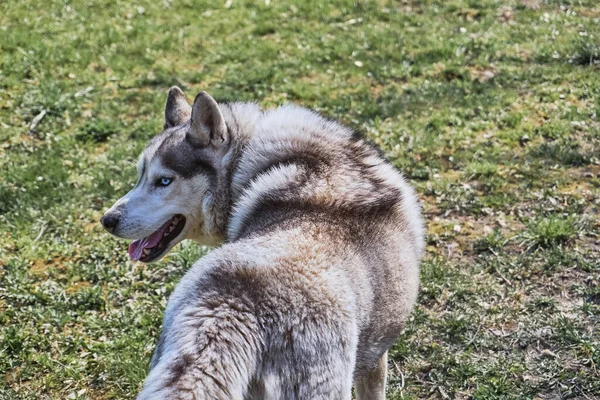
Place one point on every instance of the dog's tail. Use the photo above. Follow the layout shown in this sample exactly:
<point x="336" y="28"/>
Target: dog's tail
<point x="210" y="352"/>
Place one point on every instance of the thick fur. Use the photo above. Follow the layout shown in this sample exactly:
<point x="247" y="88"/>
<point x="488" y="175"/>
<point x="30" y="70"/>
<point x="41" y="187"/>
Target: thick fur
<point x="319" y="269"/>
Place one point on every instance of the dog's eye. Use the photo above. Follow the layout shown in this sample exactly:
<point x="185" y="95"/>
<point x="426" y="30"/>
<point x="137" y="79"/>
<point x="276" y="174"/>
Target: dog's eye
<point x="164" y="181"/>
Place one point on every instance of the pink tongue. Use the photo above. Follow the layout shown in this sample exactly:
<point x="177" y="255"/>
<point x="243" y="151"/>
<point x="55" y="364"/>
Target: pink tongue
<point x="136" y="248"/>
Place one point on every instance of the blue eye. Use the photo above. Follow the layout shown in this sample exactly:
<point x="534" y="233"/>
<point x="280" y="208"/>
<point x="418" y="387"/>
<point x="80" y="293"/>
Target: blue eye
<point x="163" y="181"/>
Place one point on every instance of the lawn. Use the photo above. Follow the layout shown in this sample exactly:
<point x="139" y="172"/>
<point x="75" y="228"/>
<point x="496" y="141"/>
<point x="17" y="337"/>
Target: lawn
<point x="490" y="108"/>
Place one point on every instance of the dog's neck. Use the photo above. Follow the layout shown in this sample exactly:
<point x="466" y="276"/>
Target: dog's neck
<point x="217" y="208"/>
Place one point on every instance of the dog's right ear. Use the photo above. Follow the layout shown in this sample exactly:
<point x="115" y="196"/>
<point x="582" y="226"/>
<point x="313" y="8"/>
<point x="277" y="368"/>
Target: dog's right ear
<point x="177" y="110"/>
<point x="207" y="125"/>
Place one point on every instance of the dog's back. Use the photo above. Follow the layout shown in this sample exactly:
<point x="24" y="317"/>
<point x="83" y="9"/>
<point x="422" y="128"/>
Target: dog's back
<point x="317" y="278"/>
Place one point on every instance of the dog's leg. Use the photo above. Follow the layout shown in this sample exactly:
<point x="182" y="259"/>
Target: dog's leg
<point x="371" y="386"/>
<point x="330" y="379"/>
<point x="315" y="361"/>
<point x="210" y="351"/>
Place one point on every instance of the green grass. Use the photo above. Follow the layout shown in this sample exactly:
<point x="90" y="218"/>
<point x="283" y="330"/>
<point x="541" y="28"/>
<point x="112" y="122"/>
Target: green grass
<point x="551" y="231"/>
<point x="489" y="107"/>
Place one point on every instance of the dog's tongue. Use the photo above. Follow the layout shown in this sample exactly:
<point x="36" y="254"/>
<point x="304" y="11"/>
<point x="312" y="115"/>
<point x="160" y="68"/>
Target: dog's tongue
<point x="136" y="248"/>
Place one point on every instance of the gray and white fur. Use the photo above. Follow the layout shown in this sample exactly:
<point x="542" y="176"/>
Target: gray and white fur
<point x="318" y="270"/>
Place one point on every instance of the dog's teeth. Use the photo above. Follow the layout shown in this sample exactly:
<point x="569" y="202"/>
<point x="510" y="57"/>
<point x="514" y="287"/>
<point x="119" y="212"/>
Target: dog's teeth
<point x="146" y="252"/>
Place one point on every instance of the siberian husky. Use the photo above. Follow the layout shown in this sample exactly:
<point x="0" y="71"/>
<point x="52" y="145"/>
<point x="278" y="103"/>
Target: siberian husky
<point x="319" y="264"/>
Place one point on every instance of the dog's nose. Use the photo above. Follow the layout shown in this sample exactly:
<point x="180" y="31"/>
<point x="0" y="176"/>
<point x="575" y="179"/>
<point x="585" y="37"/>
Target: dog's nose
<point x="109" y="222"/>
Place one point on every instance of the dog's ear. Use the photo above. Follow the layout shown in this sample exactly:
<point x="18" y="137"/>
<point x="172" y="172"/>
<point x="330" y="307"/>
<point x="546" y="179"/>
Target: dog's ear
<point x="177" y="110"/>
<point x="207" y="124"/>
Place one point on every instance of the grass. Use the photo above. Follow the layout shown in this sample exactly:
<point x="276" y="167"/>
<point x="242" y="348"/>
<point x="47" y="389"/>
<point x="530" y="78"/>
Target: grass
<point x="490" y="108"/>
<point x="551" y="231"/>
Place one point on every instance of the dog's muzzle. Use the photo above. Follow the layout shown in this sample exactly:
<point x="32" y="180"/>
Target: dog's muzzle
<point x="110" y="222"/>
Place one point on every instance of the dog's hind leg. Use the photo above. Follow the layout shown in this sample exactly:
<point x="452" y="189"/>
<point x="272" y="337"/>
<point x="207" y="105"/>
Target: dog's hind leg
<point x="313" y="360"/>
<point x="327" y="379"/>
<point x="209" y="352"/>
<point x="371" y="386"/>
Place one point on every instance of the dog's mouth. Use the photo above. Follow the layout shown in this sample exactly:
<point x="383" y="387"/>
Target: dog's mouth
<point x="154" y="246"/>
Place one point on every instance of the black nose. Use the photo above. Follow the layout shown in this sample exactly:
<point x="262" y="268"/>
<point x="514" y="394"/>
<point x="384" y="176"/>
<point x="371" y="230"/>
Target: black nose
<point x="110" y="222"/>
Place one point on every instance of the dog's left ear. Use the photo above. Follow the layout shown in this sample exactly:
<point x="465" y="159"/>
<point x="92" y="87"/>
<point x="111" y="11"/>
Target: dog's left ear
<point x="177" y="110"/>
<point x="207" y="124"/>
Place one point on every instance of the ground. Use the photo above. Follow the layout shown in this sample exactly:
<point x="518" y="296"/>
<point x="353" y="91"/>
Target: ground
<point x="490" y="108"/>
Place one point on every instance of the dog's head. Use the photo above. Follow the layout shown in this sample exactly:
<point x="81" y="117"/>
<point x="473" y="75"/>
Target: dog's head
<point x="182" y="189"/>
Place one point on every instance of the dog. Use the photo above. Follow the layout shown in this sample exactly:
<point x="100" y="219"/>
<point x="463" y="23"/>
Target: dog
<point x="318" y="265"/>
